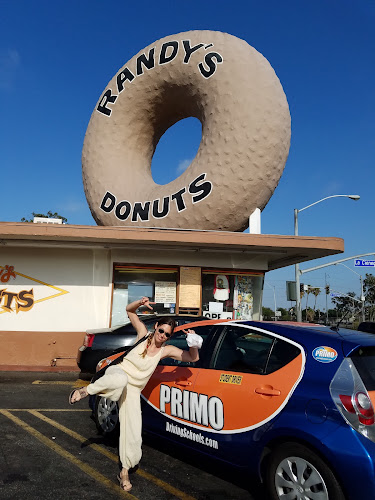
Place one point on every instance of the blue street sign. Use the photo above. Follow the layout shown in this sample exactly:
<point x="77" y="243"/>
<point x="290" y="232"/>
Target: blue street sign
<point x="364" y="263"/>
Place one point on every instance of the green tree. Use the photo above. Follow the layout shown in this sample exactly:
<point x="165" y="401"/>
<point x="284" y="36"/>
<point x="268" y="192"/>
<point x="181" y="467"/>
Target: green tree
<point x="49" y="215"/>
<point x="267" y="313"/>
<point x="347" y="304"/>
<point x="285" y="316"/>
<point x="369" y="293"/>
<point x="319" y="315"/>
<point x="308" y="291"/>
<point x="315" y="291"/>
<point x="308" y="314"/>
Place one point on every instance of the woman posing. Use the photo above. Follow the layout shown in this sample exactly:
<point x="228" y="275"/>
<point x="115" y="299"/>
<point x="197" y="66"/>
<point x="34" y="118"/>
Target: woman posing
<point x="124" y="382"/>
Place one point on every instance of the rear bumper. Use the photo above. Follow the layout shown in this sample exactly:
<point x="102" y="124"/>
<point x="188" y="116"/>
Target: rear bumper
<point x="353" y="456"/>
<point x="88" y="358"/>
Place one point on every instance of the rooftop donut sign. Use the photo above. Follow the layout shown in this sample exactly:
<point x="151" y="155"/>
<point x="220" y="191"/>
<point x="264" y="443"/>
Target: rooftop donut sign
<point x="232" y="89"/>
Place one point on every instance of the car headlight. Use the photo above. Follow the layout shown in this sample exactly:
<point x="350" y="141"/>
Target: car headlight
<point x="99" y="365"/>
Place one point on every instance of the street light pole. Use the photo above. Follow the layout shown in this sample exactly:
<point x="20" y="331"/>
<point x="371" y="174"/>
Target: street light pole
<point x="296" y="266"/>
<point x="298" y="292"/>
<point x="274" y="296"/>
<point x="325" y="288"/>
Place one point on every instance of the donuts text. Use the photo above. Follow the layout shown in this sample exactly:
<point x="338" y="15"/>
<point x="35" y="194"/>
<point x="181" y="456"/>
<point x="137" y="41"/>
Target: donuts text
<point x="141" y="210"/>
<point x="168" y="52"/>
<point x="23" y="300"/>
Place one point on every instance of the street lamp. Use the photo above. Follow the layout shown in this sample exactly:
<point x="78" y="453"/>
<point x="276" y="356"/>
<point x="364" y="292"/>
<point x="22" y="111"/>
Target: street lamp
<point x="297" y="272"/>
<point x="274" y="296"/>
<point x="361" y="280"/>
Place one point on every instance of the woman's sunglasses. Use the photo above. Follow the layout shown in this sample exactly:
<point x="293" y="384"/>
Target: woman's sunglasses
<point x="168" y="335"/>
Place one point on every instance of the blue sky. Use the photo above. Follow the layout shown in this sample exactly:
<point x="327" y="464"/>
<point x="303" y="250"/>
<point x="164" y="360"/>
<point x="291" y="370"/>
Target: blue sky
<point x="57" y="57"/>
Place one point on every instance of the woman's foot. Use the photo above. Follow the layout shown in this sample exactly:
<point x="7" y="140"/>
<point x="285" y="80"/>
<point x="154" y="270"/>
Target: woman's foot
<point x="124" y="481"/>
<point x="77" y="395"/>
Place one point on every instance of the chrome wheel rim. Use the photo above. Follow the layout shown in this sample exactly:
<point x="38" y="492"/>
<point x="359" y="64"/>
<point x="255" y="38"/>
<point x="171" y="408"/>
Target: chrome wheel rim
<point x="298" y="479"/>
<point x="107" y="414"/>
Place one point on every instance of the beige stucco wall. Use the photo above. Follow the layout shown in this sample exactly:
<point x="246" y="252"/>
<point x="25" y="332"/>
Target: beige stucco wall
<point x="71" y="289"/>
<point x="54" y="351"/>
<point x="201" y="258"/>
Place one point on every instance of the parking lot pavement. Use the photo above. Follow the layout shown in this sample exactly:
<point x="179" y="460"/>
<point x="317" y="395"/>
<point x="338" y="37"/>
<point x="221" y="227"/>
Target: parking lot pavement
<point x="49" y="449"/>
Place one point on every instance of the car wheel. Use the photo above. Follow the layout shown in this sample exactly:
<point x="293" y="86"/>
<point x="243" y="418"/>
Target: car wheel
<point x="106" y="415"/>
<point x="295" y="472"/>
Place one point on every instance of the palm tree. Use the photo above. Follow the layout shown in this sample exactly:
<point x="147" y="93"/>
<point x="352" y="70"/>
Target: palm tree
<point x="308" y="291"/>
<point x="315" y="292"/>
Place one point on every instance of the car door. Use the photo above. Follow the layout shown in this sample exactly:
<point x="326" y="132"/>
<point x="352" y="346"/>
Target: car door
<point x="251" y="376"/>
<point x="165" y="399"/>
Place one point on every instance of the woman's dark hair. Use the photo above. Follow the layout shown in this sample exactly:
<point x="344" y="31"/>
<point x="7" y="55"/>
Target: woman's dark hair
<point x="167" y="320"/>
<point x="163" y="320"/>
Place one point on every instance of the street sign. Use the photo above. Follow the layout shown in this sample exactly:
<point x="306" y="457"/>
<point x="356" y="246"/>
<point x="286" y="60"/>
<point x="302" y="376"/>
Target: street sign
<point x="364" y="263"/>
<point x="336" y="295"/>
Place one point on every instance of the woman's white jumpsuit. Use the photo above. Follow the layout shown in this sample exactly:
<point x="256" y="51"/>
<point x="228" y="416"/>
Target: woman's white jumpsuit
<point x="124" y="383"/>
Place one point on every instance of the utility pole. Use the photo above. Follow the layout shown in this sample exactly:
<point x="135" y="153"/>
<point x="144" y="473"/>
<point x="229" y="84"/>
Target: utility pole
<point x="362" y="298"/>
<point x="297" y="273"/>
<point x="325" y="289"/>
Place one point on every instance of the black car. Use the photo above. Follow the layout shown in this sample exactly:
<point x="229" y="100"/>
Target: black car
<point x="100" y="343"/>
<point x="367" y="326"/>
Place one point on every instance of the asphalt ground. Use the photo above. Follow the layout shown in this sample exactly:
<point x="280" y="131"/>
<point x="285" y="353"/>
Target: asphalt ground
<point x="51" y="450"/>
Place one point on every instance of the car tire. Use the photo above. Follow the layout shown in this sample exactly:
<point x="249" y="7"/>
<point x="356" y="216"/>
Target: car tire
<point x="295" y="471"/>
<point x="106" y="416"/>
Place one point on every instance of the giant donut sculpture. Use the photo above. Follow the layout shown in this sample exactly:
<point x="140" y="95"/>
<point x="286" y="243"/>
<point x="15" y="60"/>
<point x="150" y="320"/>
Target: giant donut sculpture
<point x="232" y="89"/>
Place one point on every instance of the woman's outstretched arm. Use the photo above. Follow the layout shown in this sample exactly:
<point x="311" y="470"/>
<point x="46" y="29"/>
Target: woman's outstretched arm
<point x="135" y="321"/>
<point x="194" y="342"/>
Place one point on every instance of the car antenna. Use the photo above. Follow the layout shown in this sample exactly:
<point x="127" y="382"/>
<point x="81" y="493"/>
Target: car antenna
<point x="335" y="328"/>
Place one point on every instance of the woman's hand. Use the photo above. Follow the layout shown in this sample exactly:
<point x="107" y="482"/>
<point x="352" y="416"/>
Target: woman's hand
<point x="192" y="339"/>
<point x="131" y="310"/>
<point x="145" y="301"/>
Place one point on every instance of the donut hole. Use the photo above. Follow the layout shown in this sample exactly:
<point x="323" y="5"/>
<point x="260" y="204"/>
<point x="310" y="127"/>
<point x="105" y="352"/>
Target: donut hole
<point x="175" y="150"/>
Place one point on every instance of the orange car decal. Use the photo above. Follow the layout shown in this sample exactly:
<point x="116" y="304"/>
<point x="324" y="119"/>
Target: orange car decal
<point x="371" y="395"/>
<point x="215" y="408"/>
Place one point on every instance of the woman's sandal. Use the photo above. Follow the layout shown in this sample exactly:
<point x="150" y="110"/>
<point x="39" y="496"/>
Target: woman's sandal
<point x="82" y="393"/>
<point x="125" y="484"/>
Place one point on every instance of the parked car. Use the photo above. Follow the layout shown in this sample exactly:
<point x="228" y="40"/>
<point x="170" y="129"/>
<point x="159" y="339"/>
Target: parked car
<point x="367" y="326"/>
<point x="293" y="404"/>
<point x="100" y="343"/>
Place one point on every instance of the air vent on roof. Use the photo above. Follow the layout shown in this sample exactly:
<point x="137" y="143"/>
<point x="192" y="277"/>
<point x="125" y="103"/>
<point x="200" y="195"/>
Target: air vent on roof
<point x="46" y="220"/>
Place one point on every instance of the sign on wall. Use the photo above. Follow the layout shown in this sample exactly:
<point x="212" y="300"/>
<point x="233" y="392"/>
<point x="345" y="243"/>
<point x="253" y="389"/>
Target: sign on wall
<point x="13" y="299"/>
<point x="190" y="287"/>
<point x="165" y="292"/>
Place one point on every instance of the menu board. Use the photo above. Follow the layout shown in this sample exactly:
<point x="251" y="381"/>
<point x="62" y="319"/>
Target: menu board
<point x="190" y="287"/>
<point x="165" y="292"/>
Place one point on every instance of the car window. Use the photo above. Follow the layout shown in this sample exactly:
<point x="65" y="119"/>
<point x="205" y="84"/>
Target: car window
<point x="282" y="353"/>
<point x="179" y="340"/>
<point x="364" y="360"/>
<point x="242" y="350"/>
<point x="128" y="328"/>
<point x="185" y="321"/>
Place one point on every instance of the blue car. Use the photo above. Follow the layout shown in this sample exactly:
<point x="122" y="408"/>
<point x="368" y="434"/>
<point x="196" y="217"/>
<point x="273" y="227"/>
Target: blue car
<point x="292" y="403"/>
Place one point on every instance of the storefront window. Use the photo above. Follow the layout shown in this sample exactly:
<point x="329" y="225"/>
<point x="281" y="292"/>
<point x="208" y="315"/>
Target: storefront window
<point x="132" y="283"/>
<point x="229" y="295"/>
